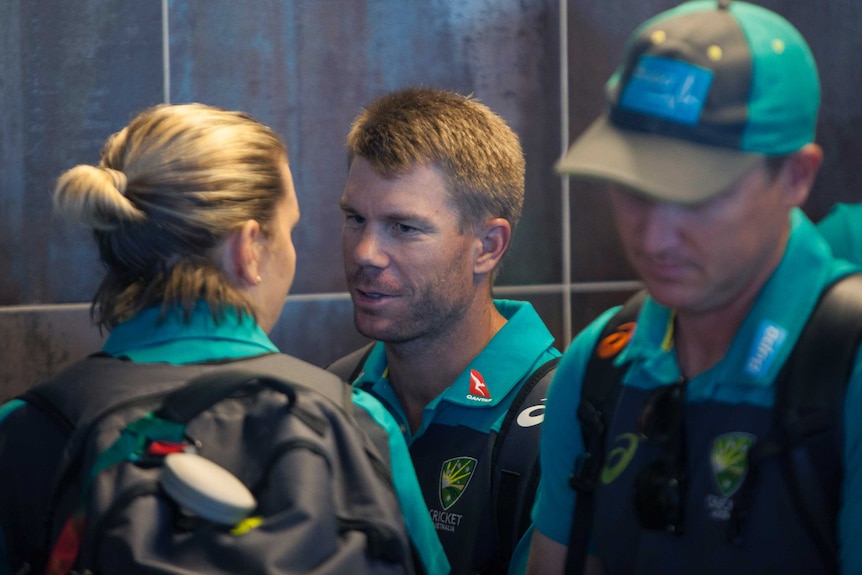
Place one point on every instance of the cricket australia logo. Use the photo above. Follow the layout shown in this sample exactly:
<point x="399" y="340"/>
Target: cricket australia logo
<point x="454" y="478"/>
<point x="729" y="462"/>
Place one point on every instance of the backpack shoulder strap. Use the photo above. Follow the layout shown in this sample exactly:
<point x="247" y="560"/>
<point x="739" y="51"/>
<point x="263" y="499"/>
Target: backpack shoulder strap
<point x="834" y="332"/>
<point x="349" y="367"/>
<point x="95" y="385"/>
<point x="62" y="398"/>
<point x="332" y="385"/>
<point x="599" y="393"/>
<point x="49" y="407"/>
<point x="515" y="458"/>
<point x="809" y="403"/>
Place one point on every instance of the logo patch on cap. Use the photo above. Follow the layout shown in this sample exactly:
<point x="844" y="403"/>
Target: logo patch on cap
<point x="668" y="89"/>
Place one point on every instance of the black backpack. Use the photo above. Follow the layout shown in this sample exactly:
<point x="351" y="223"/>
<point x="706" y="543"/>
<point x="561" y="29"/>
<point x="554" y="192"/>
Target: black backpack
<point x="807" y="435"/>
<point x="514" y="457"/>
<point x="305" y="488"/>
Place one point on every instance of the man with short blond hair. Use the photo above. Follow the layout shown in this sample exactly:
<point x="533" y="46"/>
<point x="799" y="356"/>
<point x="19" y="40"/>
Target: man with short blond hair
<point x="434" y="191"/>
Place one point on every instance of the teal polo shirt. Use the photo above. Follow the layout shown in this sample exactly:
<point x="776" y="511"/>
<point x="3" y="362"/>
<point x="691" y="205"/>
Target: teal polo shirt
<point x="842" y="229"/>
<point x="515" y="351"/>
<point x="744" y="376"/>
<point x="513" y="354"/>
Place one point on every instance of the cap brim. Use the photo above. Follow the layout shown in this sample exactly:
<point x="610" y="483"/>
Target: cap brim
<point x="662" y="168"/>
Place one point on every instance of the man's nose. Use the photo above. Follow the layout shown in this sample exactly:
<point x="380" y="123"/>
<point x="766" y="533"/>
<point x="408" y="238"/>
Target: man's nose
<point x="369" y="249"/>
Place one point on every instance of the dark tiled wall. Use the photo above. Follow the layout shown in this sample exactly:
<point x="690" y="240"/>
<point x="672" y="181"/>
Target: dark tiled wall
<point x="72" y="73"/>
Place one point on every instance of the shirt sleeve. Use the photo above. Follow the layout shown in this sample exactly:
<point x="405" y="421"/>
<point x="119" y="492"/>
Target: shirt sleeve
<point x="562" y="441"/>
<point x="850" y="515"/>
<point x="840" y="229"/>
<point x="409" y="493"/>
<point x="518" y="563"/>
<point x="31" y="447"/>
<point x="5" y="563"/>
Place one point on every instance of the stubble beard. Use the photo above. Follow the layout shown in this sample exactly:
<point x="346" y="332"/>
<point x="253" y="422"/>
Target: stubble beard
<point x="430" y="314"/>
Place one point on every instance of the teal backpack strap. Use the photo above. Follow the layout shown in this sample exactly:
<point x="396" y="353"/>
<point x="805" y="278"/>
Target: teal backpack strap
<point x="599" y="394"/>
<point x="515" y="458"/>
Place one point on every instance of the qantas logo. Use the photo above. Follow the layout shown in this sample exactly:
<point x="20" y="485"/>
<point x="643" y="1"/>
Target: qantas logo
<point x="478" y="389"/>
<point x="477" y="384"/>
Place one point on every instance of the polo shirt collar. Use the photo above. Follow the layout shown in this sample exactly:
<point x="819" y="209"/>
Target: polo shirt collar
<point x="149" y="338"/>
<point x="502" y="364"/>
<point x="769" y="331"/>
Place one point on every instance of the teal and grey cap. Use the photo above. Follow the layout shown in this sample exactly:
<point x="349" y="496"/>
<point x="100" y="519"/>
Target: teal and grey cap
<point x="704" y="91"/>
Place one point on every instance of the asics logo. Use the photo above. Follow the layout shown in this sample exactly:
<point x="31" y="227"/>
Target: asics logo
<point x="531" y="416"/>
<point x="615" y="342"/>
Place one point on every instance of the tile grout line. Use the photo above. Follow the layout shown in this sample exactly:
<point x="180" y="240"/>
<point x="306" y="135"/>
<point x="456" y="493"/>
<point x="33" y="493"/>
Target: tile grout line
<point x="535" y="289"/>
<point x="565" y="198"/>
<point x="166" y="54"/>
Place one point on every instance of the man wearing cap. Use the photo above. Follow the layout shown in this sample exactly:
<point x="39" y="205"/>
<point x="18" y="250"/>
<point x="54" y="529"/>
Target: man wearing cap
<point x="707" y="147"/>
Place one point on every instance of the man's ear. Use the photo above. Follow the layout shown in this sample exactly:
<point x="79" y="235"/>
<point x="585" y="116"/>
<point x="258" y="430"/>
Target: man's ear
<point x="493" y="241"/>
<point x="241" y="254"/>
<point x="800" y="171"/>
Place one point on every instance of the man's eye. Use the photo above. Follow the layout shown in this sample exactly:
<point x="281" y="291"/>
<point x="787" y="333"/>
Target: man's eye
<point x="404" y="228"/>
<point x="354" y="219"/>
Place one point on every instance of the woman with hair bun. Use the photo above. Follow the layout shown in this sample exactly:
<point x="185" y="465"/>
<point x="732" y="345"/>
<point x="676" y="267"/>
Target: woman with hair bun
<point x="192" y="208"/>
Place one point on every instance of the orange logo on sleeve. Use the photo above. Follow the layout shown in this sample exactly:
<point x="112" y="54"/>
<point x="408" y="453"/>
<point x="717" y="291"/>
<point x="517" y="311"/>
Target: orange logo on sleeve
<point x="614" y="343"/>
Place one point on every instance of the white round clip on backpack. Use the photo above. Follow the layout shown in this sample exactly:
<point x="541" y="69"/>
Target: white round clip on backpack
<point x="206" y="489"/>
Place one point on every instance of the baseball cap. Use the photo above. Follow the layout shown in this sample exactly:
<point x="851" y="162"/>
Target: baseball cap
<point x="704" y="91"/>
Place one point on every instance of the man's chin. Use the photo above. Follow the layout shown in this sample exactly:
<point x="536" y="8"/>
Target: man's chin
<point x="372" y="328"/>
<point x="685" y="302"/>
<point x="672" y="296"/>
<point x="383" y="331"/>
